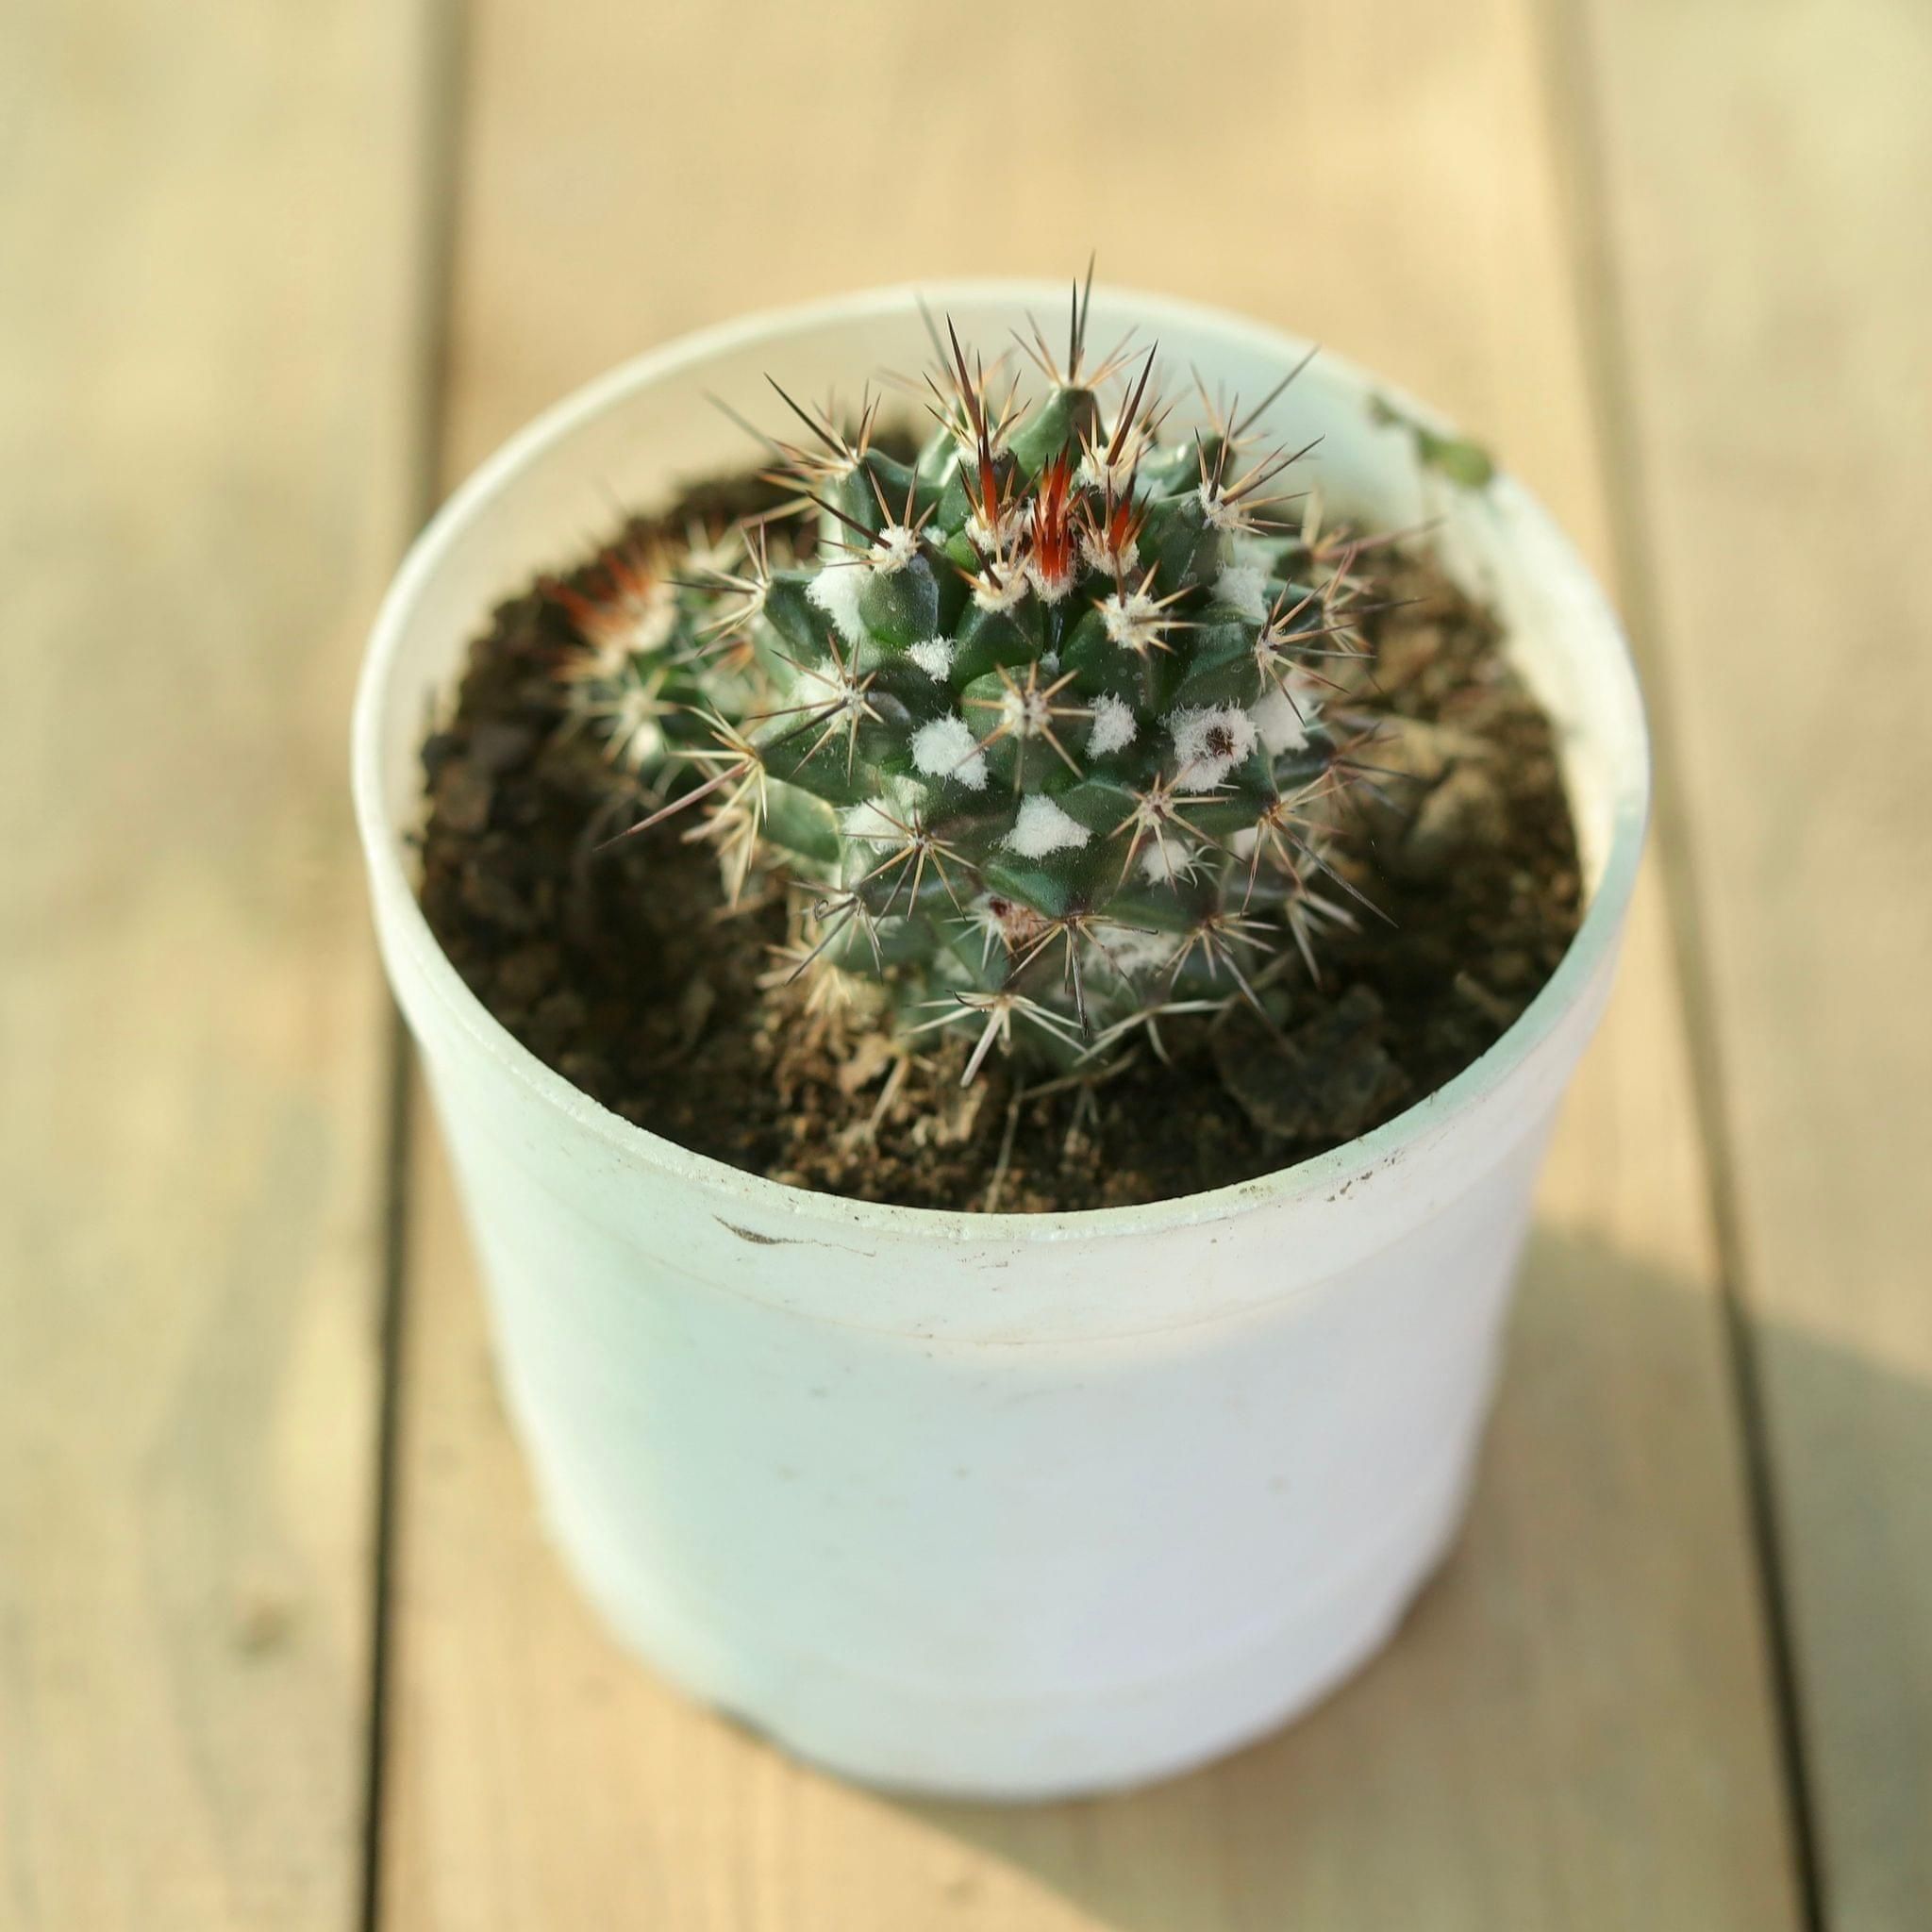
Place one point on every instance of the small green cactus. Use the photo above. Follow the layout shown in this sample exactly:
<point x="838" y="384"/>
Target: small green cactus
<point x="1043" y="728"/>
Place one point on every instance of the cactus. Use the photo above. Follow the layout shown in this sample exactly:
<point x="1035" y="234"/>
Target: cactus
<point x="1041" y="728"/>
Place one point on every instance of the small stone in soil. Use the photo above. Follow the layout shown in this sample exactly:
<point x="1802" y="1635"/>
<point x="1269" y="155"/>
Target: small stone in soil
<point x="496" y="747"/>
<point x="463" y="796"/>
<point x="494" y="900"/>
<point x="1330" y="1075"/>
<point x="694" y="1008"/>
<point x="1465" y="810"/>
<point x="524" y="974"/>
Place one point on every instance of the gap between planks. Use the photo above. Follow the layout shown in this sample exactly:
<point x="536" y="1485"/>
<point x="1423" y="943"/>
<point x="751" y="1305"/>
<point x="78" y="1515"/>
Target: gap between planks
<point x="1576" y="142"/>
<point x="440" y="107"/>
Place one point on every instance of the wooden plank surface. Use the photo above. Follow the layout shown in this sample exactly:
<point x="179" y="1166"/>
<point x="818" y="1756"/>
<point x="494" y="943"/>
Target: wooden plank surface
<point x="1767" y="173"/>
<point x="207" y="411"/>
<point x="1576" y="1730"/>
<point x="1570" y="1732"/>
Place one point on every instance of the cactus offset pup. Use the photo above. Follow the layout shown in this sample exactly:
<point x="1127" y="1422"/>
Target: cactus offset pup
<point x="1039" y="729"/>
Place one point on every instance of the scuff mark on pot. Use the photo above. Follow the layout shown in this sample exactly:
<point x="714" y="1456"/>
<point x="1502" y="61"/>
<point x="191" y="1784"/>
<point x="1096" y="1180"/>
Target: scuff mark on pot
<point x="762" y="1240"/>
<point x="790" y="1241"/>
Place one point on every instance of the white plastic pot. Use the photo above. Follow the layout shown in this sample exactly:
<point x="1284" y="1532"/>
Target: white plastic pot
<point x="1002" y="1506"/>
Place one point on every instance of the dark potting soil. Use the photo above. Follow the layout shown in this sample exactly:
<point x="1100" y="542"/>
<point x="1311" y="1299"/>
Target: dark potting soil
<point x="626" y="971"/>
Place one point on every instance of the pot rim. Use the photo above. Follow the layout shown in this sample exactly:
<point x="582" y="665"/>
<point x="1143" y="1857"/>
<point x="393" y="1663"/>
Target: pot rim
<point x="1595" y="937"/>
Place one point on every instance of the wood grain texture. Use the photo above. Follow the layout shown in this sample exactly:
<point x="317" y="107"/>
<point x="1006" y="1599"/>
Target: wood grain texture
<point x="1575" y="1730"/>
<point x="208" y="313"/>
<point x="1770" y="268"/>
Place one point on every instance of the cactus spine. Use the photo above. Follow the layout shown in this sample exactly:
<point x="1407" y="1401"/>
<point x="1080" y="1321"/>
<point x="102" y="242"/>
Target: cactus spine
<point x="1043" y="728"/>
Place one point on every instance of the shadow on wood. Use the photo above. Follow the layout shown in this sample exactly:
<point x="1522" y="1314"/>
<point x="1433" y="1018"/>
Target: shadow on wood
<point x="1418" y="1795"/>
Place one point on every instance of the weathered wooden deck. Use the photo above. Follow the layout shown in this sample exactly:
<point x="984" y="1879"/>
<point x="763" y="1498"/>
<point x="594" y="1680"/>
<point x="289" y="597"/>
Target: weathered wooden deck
<point x="280" y="1644"/>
